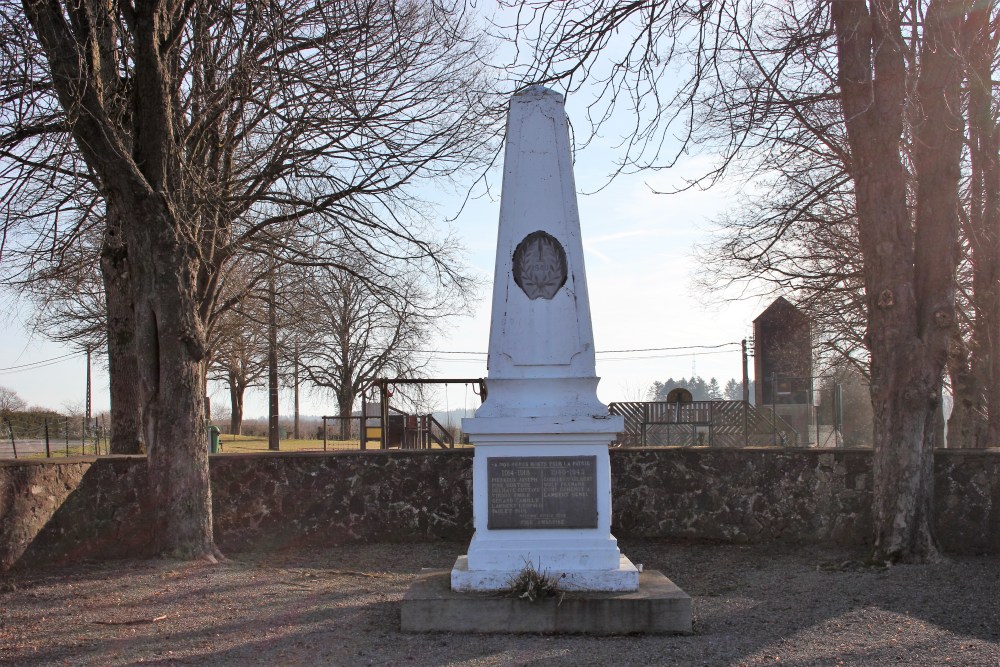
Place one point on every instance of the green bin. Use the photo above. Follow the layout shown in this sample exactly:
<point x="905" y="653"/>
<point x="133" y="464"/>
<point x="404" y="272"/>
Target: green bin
<point x="213" y="439"/>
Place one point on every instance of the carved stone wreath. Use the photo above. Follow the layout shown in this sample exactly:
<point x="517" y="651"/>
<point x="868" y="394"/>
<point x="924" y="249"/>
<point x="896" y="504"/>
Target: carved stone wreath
<point x="539" y="265"/>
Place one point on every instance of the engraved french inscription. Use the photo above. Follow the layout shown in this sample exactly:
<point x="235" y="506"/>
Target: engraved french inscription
<point x="542" y="492"/>
<point x="539" y="265"/>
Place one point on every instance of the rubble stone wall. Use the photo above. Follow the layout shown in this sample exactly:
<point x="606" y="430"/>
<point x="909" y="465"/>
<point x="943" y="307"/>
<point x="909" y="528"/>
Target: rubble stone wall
<point x="90" y="507"/>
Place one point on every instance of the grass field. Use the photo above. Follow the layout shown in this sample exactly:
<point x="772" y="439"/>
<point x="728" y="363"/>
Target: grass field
<point x="230" y="444"/>
<point x="59" y="450"/>
<point x="243" y="444"/>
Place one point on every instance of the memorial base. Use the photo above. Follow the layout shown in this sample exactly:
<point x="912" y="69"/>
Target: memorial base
<point x="623" y="578"/>
<point x="658" y="607"/>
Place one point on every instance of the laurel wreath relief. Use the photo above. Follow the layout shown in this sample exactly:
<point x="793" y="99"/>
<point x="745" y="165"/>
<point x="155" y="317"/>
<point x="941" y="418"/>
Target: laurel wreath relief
<point x="539" y="265"/>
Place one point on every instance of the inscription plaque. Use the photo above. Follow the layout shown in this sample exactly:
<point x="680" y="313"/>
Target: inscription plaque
<point x="542" y="492"/>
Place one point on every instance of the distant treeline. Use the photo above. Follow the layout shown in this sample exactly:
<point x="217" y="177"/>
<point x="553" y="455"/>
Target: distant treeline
<point x="700" y="389"/>
<point x="31" y="423"/>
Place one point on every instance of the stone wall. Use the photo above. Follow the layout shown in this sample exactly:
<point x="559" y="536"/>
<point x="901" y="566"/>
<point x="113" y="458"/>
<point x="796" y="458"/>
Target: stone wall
<point x="280" y="501"/>
<point x="743" y="495"/>
<point x="68" y="509"/>
<point x="90" y="508"/>
<point x="967" y="500"/>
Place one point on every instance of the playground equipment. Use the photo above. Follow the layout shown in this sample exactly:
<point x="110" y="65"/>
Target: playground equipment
<point x="393" y="428"/>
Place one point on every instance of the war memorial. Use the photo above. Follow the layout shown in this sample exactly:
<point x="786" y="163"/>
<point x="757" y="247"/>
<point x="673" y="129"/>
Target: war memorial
<point x="541" y="472"/>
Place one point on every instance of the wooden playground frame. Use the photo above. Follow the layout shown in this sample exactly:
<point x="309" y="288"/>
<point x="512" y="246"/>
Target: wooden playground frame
<point x="418" y="431"/>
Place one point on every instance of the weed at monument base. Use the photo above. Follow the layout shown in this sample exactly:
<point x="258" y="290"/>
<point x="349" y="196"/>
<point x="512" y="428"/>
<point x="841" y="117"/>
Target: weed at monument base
<point x="533" y="583"/>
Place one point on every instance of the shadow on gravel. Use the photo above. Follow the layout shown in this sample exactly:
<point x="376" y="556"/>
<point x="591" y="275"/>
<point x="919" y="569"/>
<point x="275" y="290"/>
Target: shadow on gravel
<point x="962" y="596"/>
<point x="753" y="605"/>
<point x="754" y="599"/>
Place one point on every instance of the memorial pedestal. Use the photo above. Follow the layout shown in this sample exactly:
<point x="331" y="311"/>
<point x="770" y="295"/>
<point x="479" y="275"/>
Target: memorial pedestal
<point x="542" y="498"/>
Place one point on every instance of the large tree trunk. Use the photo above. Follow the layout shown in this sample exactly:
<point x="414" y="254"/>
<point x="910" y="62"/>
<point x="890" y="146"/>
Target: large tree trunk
<point x="171" y="348"/>
<point x="345" y="403"/>
<point x="170" y="336"/>
<point x="984" y="221"/>
<point x="985" y="360"/>
<point x="126" y="411"/>
<point x="140" y="177"/>
<point x="236" y="390"/>
<point x="909" y="262"/>
<point x="967" y="423"/>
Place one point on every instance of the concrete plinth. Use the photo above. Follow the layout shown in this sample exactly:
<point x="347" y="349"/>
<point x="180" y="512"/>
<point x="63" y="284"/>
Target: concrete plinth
<point x="625" y="577"/>
<point x="658" y="607"/>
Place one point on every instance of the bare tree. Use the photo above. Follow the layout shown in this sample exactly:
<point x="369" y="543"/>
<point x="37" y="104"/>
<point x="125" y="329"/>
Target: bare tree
<point x="239" y="355"/>
<point x="784" y="243"/>
<point x="202" y="126"/>
<point x="896" y="74"/>
<point x="356" y="329"/>
<point x="242" y="370"/>
<point x="798" y="232"/>
<point x="53" y="222"/>
<point x="910" y="253"/>
<point x="981" y="225"/>
<point x="10" y="401"/>
<point x="83" y="301"/>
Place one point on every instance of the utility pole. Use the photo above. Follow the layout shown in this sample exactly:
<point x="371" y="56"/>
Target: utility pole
<point x="746" y="375"/>
<point x="774" y="408"/>
<point x="272" y="362"/>
<point x="746" y="397"/>
<point x="295" y="379"/>
<point x="86" y="418"/>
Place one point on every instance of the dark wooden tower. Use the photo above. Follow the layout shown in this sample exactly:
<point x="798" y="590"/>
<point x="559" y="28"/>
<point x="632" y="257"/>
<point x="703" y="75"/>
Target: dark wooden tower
<point x="783" y="364"/>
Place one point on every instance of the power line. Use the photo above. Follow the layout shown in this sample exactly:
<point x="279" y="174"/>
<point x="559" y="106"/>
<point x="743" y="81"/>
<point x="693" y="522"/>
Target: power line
<point x="669" y="349"/>
<point x="663" y="356"/>
<point x="479" y="360"/>
<point x="640" y="349"/>
<point x="33" y="368"/>
<point x="38" y="364"/>
<point x="55" y="360"/>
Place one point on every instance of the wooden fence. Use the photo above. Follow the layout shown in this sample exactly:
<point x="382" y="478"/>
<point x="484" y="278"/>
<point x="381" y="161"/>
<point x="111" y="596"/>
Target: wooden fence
<point x="702" y="423"/>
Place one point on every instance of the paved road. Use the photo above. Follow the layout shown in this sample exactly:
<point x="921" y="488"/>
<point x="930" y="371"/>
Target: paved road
<point x="35" y="446"/>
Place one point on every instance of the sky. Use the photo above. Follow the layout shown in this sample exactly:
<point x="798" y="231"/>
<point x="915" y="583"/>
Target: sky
<point x="641" y="268"/>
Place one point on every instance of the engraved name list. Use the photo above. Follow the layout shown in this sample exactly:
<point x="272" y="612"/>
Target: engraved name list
<point x="542" y="492"/>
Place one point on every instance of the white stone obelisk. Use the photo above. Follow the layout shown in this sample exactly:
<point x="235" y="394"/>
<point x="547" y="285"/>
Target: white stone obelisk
<point x="541" y="474"/>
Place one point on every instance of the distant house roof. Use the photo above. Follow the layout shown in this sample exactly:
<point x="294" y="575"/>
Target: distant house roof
<point x="782" y="310"/>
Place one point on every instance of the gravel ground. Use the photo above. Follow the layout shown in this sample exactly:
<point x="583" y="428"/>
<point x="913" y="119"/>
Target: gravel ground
<point x="753" y="605"/>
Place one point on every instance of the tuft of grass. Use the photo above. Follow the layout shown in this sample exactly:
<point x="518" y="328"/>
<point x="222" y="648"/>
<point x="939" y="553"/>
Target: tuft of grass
<point x="533" y="583"/>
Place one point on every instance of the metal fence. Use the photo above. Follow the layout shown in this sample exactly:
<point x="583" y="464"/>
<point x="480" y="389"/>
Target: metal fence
<point x="71" y="436"/>
<point x="51" y="437"/>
